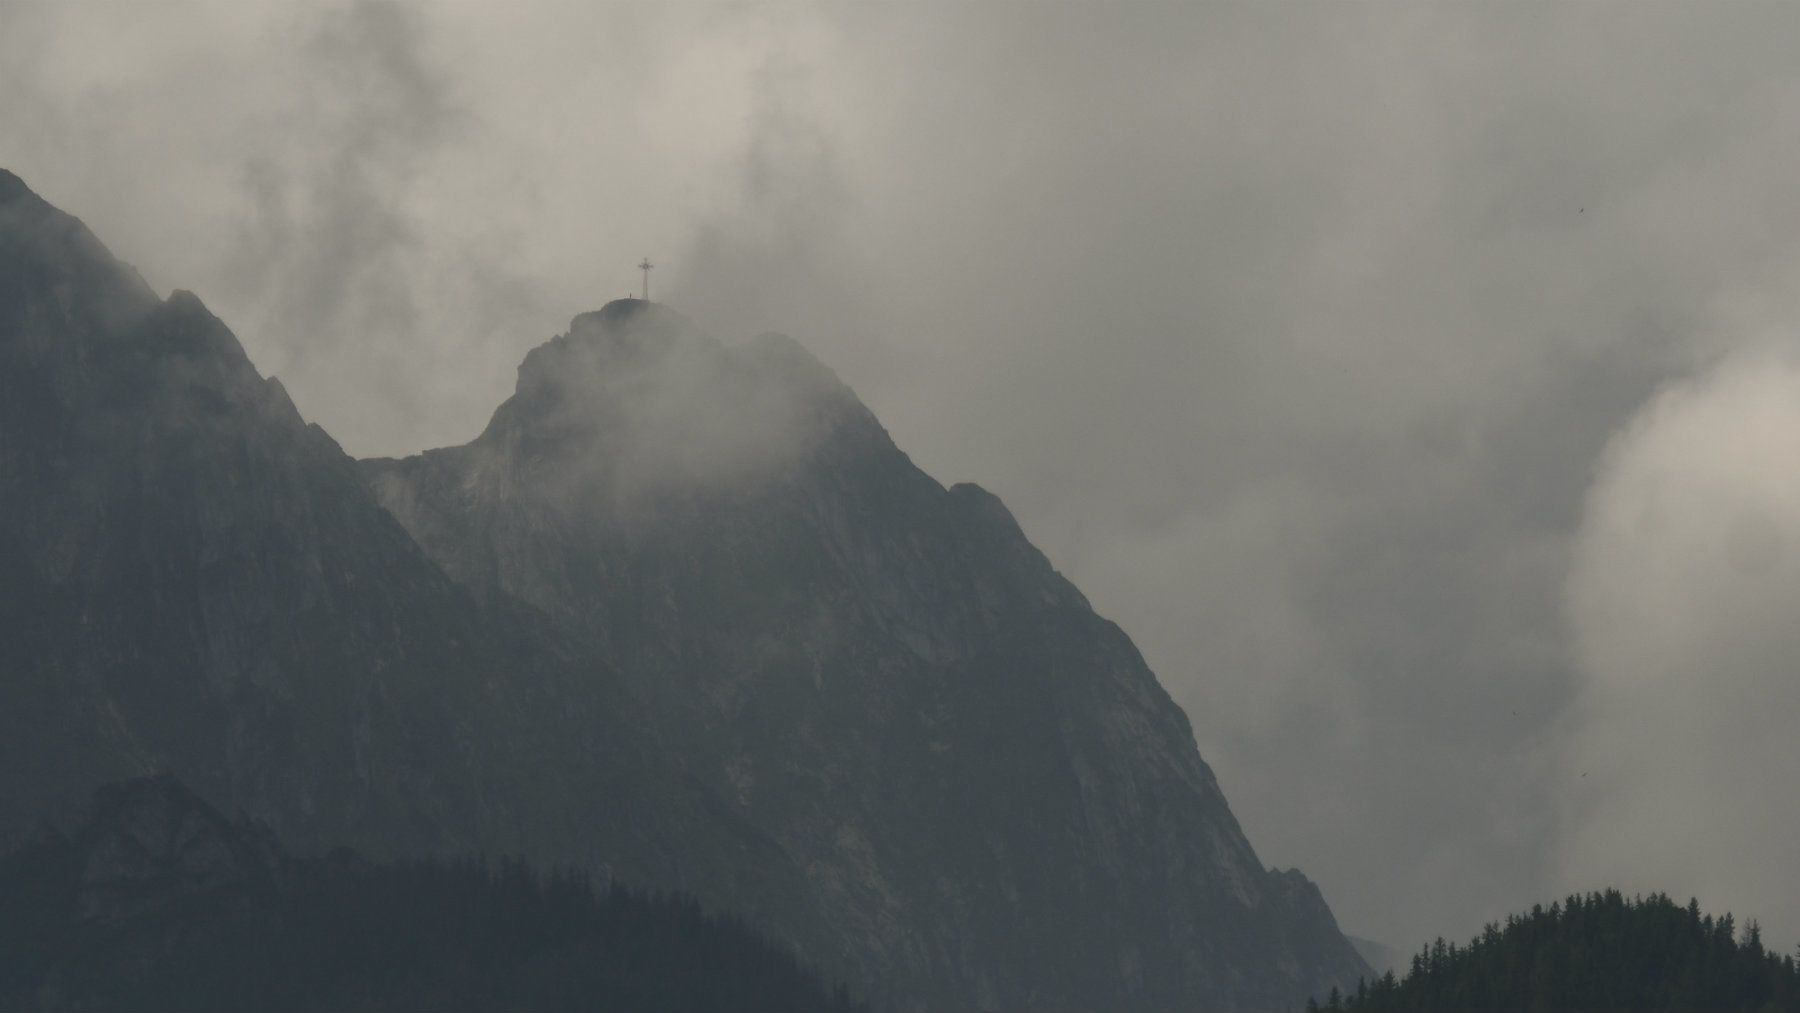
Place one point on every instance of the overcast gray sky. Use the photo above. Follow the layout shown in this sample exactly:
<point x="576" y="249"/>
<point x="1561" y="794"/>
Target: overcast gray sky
<point x="1416" y="383"/>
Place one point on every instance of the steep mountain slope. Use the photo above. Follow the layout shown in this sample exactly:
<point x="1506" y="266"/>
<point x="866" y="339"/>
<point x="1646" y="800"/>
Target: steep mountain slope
<point x="683" y="613"/>
<point x="995" y="802"/>
<point x="193" y="579"/>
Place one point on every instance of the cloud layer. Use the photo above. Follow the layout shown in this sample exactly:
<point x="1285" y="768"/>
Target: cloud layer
<point x="1296" y="334"/>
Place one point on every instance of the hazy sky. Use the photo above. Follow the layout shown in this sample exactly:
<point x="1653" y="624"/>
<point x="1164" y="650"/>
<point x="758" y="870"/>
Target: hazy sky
<point x="1416" y="383"/>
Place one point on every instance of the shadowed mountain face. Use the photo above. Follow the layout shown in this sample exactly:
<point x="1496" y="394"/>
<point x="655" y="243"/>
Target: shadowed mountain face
<point x="193" y="579"/>
<point x="683" y="613"/>
<point x="995" y="802"/>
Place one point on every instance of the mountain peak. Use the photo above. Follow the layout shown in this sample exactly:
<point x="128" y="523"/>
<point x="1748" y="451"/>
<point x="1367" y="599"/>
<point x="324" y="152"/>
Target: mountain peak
<point x="620" y="311"/>
<point x="683" y="615"/>
<point x="53" y="269"/>
<point x="12" y="187"/>
<point x="636" y="397"/>
<point x="614" y="337"/>
<point x="741" y="543"/>
<point x="193" y="580"/>
<point x="631" y="314"/>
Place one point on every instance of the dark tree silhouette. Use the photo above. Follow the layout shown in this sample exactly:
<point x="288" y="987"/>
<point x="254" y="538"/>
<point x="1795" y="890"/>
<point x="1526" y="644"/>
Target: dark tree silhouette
<point x="340" y="933"/>
<point x="1597" y="953"/>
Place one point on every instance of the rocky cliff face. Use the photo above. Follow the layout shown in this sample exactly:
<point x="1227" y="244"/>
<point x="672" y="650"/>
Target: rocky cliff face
<point x="193" y="579"/>
<point x="995" y="803"/>
<point x="683" y="613"/>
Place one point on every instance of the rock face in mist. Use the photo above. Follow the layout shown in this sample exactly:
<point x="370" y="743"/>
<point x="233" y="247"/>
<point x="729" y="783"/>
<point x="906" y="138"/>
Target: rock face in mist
<point x="683" y="614"/>
<point x="193" y="579"/>
<point x="995" y="803"/>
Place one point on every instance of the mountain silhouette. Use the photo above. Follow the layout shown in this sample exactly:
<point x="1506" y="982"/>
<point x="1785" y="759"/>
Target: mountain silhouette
<point x="683" y="616"/>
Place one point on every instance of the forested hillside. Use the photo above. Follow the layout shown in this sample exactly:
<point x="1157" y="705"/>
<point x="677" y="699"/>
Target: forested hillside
<point x="157" y="902"/>
<point x="1593" y="954"/>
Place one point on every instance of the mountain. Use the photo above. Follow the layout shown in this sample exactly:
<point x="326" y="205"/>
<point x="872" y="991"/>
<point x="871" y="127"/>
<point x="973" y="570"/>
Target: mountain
<point x="683" y="616"/>
<point x="152" y="899"/>
<point x="195" y="580"/>
<point x="1593" y="953"/>
<point x="995" y="801"/>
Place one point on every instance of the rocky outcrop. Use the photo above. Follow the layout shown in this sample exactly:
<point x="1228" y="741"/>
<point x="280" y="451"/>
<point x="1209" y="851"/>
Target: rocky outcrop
<point x="996" y="804"/>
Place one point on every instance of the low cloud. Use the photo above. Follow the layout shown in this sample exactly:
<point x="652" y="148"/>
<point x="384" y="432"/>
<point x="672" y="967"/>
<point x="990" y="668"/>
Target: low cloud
<point x="635" y="403"/>
<point x="1684" y="595"/>
<point x="1294" y="333"/>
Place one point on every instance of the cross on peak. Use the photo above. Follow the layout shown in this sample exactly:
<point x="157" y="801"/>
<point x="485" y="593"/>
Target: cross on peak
<point x="645" y="267"/>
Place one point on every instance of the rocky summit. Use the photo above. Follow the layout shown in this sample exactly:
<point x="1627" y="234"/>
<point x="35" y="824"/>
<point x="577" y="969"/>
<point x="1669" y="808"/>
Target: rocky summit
<point x="683" y="614"/>
<point x="194" y="580"/>
<point x="995" y="802"/>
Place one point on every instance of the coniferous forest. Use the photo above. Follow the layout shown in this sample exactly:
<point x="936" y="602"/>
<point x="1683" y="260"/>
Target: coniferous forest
<point x="342" y="933"/>
<point x="1597" y="953"/>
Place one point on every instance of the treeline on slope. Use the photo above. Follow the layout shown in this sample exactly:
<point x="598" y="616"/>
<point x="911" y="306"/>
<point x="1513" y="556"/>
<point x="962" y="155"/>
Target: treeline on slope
<point x="342" y="933"/>
<point x="1596" y="953"/>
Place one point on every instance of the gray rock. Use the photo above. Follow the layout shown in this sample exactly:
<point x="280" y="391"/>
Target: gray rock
<point x="683" y="614"/>
<point x="996" y="804"/>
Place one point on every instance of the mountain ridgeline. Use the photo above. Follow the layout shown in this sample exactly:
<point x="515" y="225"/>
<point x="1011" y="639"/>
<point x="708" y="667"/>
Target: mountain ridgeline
<point x="195" y="580"/>
<point x="884" y="675"/>
<point x="682" y="616"/>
